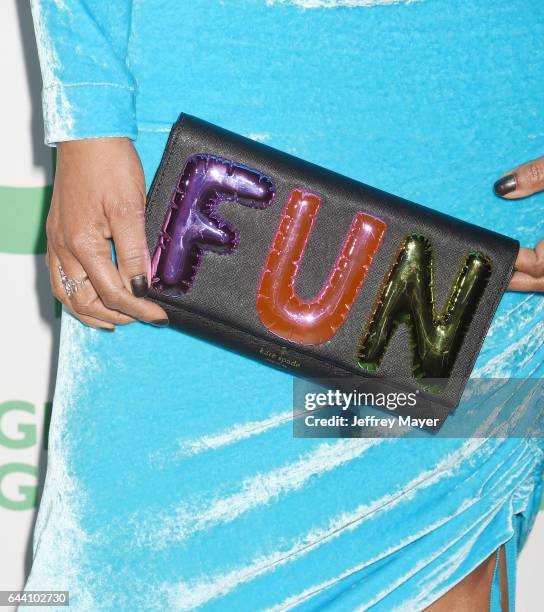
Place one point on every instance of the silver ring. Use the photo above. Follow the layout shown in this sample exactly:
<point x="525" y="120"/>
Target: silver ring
<point x="71" y="285"/>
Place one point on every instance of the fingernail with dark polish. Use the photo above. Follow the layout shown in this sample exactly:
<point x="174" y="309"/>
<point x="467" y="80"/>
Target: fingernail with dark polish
<point x="139" y="285"/>
<point x="505" y="185"/>
<point x="160" y="322"/>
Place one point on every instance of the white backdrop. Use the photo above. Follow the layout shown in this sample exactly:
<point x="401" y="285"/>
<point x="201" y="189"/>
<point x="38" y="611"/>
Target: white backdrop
<point x="29" y="320"/>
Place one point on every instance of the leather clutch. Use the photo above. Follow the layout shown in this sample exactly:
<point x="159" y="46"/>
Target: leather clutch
<point x="304" y="269"/>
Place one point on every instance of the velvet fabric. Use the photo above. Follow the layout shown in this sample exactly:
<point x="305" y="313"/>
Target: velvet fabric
<point x="195" y="495"/>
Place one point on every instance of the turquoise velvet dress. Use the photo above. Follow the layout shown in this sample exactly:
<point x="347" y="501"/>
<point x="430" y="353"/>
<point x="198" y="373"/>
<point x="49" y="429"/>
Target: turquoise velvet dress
<point x="174" y="481"/>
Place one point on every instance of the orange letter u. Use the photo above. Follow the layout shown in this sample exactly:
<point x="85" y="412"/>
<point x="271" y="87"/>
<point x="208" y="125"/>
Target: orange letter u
<point x="280" y="309"/>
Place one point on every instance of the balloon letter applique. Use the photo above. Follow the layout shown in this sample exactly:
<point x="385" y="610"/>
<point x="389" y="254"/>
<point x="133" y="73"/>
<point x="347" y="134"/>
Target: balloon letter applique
<point x="407" y="296"/>
<point x="316" y="321"/>
<point x="192" y="225"/>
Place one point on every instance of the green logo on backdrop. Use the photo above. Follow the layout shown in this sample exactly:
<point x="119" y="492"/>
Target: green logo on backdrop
<point x="27" y="492"/>
<point x="23" y="211"/>
<point x="27" y="431"/>
<point x="25" y="437"/>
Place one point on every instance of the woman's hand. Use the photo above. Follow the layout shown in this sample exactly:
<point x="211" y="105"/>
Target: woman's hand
<point x="99" y="194"/>
<point x="519" y="183"/>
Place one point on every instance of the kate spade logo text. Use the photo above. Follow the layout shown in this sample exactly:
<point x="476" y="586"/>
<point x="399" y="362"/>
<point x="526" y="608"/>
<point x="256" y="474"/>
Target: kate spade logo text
<point x="281" y="358"/>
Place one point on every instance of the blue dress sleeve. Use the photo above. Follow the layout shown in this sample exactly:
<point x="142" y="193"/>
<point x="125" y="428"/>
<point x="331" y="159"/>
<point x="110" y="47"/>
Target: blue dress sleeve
<point x="88" y="90"/>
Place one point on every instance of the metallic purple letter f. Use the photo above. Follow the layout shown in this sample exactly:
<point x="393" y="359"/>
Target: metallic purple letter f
<point x="192" y="226"/>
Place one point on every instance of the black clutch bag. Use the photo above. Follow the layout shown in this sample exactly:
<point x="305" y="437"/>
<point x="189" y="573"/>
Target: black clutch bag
<point x="304" y="269"/>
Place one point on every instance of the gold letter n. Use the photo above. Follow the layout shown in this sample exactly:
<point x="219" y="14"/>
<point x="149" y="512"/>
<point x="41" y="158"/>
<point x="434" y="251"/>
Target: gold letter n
<point x="407" y="296"/>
